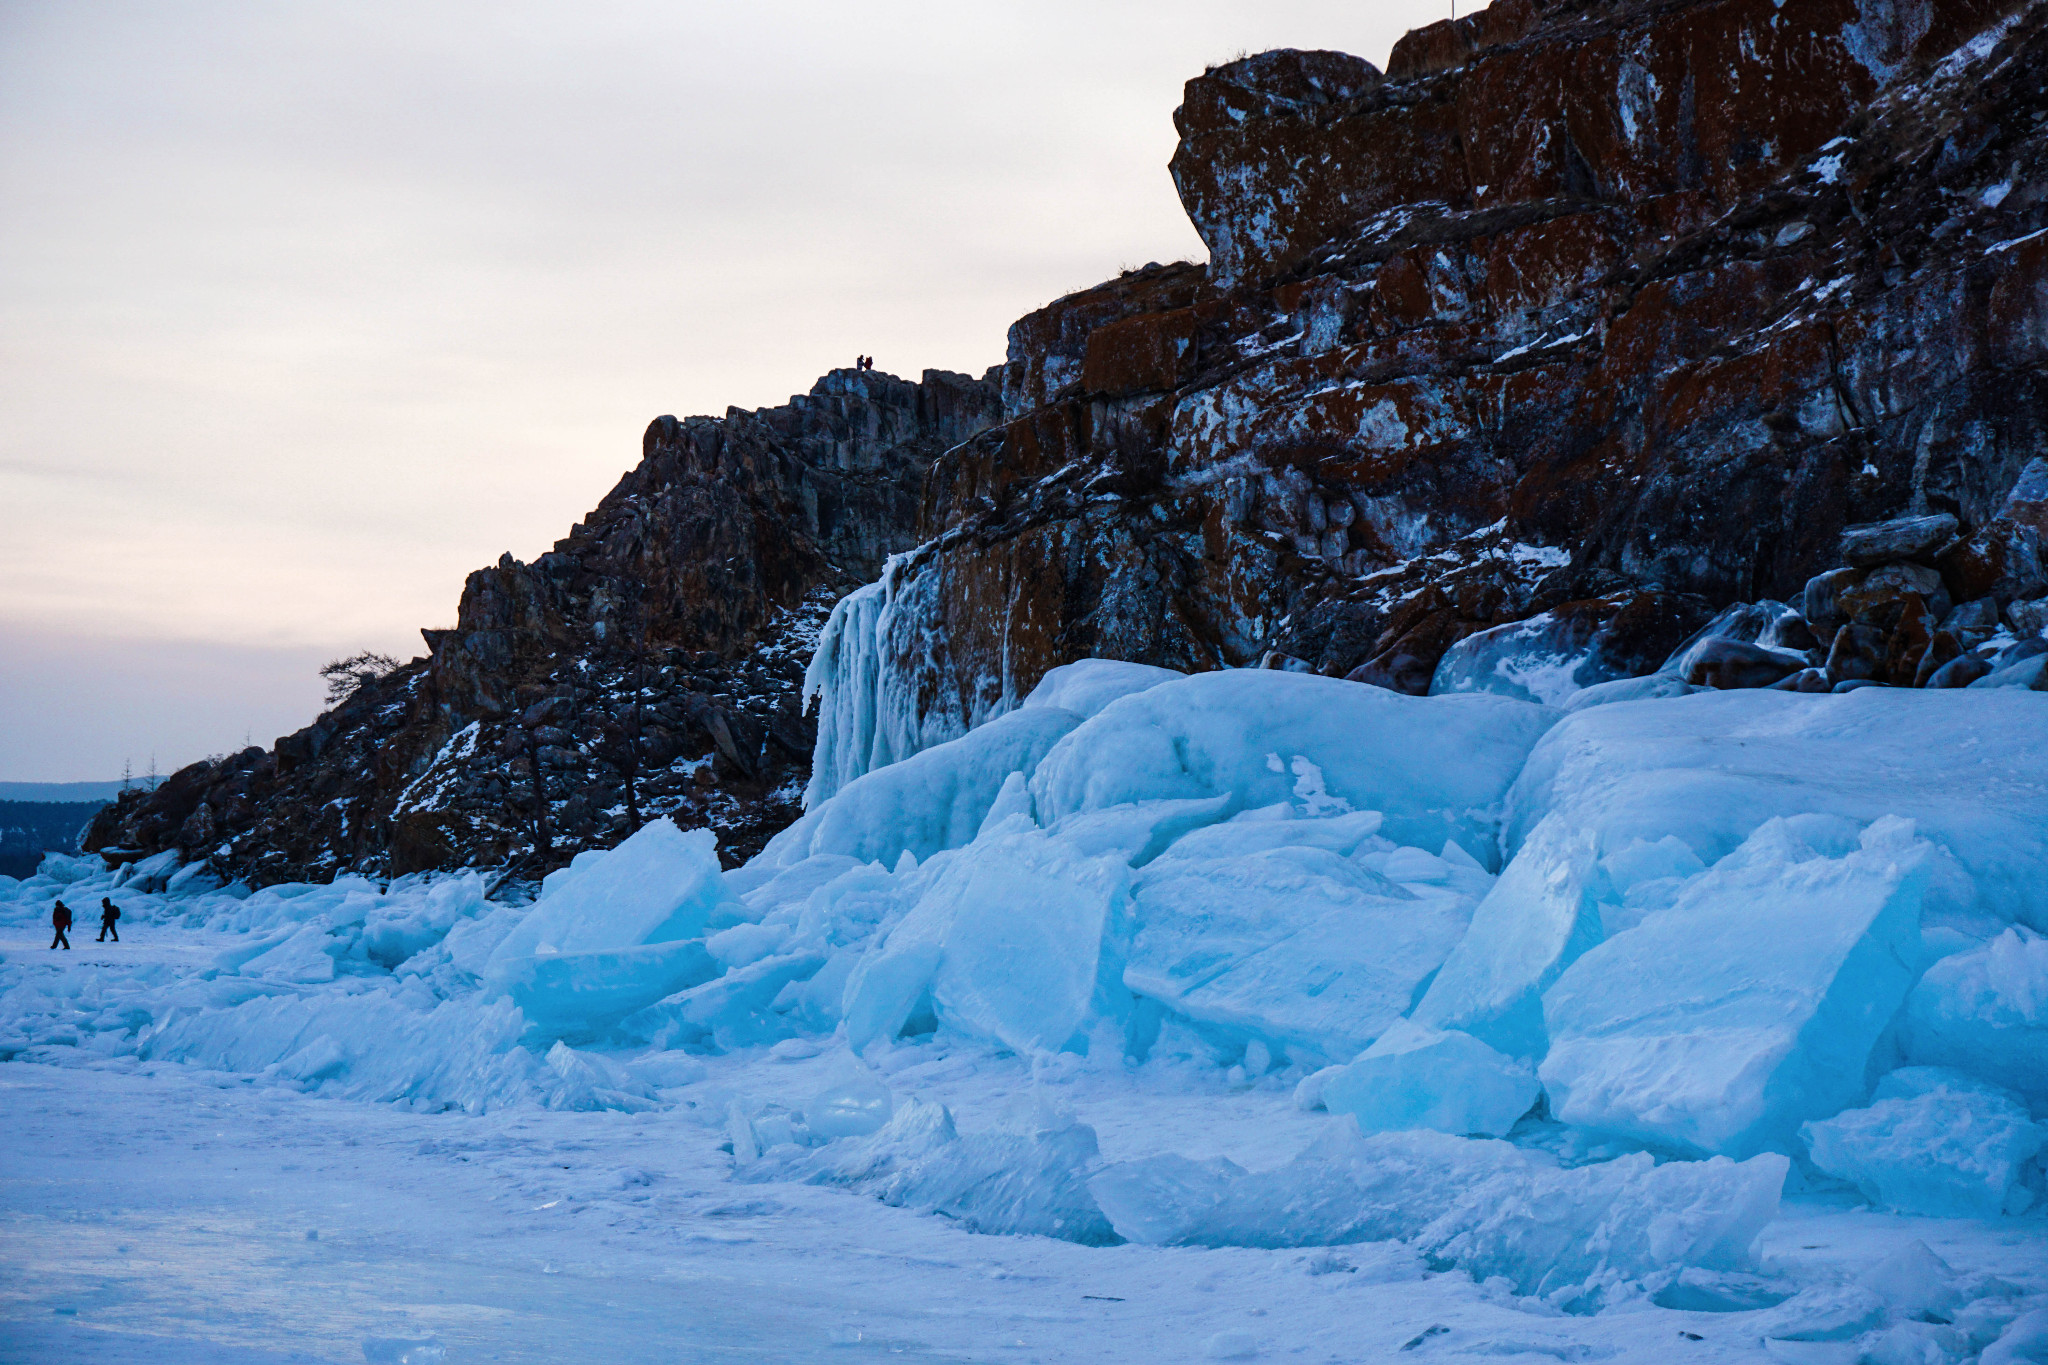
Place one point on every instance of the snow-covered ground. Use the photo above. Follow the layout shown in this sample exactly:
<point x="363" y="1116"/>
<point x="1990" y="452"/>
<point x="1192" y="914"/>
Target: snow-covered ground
<point x="167" y="1213"/>
<point x="1157" y="1020"/>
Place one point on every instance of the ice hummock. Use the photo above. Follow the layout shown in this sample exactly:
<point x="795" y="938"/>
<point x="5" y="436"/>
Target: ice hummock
<point x="1969" y="772"/>
<point x="935" y="800"/>
<point x="1436" y="768"/>
<point x="618" y="932"/>
<point x="1418" y="1077"/>
<point x="1933" y="1142"/>
<point x="660" y="885"/>
<point x="1486" y="1206"/>
<point x="1537" y="920"/>
<point x="1241" y="877"/>
<point x="999" y="1181"/>
<point x="1751" y="1005"/>
<point x="1301" y="947"/>
<point x="1985" y="1011"/>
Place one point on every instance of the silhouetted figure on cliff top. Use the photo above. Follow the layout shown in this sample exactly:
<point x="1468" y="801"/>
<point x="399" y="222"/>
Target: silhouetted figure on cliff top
<point x="109" y="912"/>
<point x="60" y="920"/>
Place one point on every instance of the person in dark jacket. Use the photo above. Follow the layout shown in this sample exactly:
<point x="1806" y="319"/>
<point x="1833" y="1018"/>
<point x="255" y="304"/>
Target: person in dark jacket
<point x="60" y="920"/>
<point x="109" y="912"/>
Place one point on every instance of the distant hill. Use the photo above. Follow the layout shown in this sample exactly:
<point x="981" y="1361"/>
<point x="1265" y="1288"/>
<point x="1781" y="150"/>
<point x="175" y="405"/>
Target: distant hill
<point x="29" y="829"/>
<point x="96" y="792"/>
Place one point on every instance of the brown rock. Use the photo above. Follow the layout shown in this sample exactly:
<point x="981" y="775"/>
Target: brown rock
<point x="1881" y="595"/>
<point x="1397" y="671"/>
<point x="1243" y="167"/>
<point x="1973" y="567"/>
<point x="1149" y="353"/>
<point x="1908" y="641"/>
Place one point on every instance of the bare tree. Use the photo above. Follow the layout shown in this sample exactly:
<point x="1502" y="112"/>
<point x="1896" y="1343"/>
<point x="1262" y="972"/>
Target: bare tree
<point x="346" y="677"/>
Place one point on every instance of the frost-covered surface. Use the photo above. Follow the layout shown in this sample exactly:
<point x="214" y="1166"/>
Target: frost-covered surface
<point x="1250" y="1008"/>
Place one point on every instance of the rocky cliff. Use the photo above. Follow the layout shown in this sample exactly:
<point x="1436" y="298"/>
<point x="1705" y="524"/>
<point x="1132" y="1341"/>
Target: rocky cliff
<point x="649" y="664"/>
<point x="1605" y="313"/>
<point x="1585" y="318"/>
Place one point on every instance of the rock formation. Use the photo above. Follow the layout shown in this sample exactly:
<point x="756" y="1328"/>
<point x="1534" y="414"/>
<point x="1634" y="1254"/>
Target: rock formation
<point x="697" y="585"/>
<point x="1587" y="317"/>
<point x="1617" y="312"/>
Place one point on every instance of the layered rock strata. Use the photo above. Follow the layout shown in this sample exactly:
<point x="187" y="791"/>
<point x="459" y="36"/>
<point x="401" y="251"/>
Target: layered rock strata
<point x="1614" y="311"/>
<point x="696" y="589"/>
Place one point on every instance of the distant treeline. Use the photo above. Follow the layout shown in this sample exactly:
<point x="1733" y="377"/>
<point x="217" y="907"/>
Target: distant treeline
<point x="29" y="829"/>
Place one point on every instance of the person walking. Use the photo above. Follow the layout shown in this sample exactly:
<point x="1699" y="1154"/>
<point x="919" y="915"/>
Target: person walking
<point x="109" y="912"/>
<point x="60" y="920"/>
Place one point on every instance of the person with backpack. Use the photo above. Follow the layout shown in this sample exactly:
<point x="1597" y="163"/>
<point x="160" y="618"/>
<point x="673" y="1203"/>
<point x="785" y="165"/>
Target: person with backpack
<point x="60" y="919"/>
<point x="109" y="912"/>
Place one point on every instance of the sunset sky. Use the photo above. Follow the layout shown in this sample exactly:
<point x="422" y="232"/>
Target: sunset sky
<point x="307" y="310"/>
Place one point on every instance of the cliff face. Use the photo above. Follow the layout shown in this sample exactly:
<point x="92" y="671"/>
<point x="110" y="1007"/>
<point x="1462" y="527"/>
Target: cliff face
<point x="1611" y="312"/>
<point x="698" y="583"/>
<point x="1616" y="311"/>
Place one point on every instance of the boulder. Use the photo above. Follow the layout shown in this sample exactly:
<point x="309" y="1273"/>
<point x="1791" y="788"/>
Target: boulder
<point x="1901" y="538"/>
<point x="1878" y="598"/>
<point x="1822" y="600"/>
<point x="1958" y="672"/>
<point x="1972" y="623"/>
<point x="1805" y="680"/>
<point x="1857" y="653"/>
<point x="1767" y="624"/>
<point x="2030" y="673"/>
<point x="2029" y="619"/>
<point x="2019" y="652"/>
<point x="1400" y="672"/>
<point x="2027" y="503"/>
<point x="1909" y="640"/>
<point x="1556" y="654"/>
<point x="1941" y="651"/>
<point x="1731" y="663"/>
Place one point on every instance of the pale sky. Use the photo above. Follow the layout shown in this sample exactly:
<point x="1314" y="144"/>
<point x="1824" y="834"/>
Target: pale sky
<point x="308" y="309"/>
